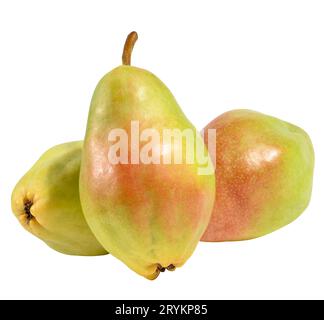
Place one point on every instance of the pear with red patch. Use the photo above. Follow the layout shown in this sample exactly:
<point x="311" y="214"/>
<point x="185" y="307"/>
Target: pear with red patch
<point x="264" y="170"/>
<point x="149" y="215"/>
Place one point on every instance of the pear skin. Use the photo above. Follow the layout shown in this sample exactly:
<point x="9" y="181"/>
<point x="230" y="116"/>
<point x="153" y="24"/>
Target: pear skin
<point x="150" y="216"/>
<point x="47" y="204"/>
<point x="264" y="169"/>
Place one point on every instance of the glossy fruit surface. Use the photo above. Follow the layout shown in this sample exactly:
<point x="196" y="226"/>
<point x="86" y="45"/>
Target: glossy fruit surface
<point x="47" y="204"/>
<point x="150" y="216"/>
<point x="264" y="169"/>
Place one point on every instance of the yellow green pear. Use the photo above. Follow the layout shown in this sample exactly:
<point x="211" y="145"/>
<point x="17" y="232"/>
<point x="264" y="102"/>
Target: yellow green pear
<point x="47" y="204"/>
<point x="150" y="214"/>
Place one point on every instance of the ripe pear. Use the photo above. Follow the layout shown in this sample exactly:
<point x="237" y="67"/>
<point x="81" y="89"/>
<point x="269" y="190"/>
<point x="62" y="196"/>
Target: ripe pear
<point x="47" y="204"/>
<point x="264" y="169"/>
<point x="149" y="215"/>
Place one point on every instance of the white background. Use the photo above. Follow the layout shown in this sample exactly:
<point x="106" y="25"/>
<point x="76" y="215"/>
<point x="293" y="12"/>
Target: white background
<point x="214" y="56"/>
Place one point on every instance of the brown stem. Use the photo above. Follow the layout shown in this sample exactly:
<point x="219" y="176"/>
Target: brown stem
<point x="128" y="48"/>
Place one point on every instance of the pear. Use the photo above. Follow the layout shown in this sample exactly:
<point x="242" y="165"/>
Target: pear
<point x="47" y="204"/>
<point x="148" y="214"/>
<point x="264" y="168"/>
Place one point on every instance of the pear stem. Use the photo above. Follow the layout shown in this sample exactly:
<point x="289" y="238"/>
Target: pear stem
<point x="128" y="48"/>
